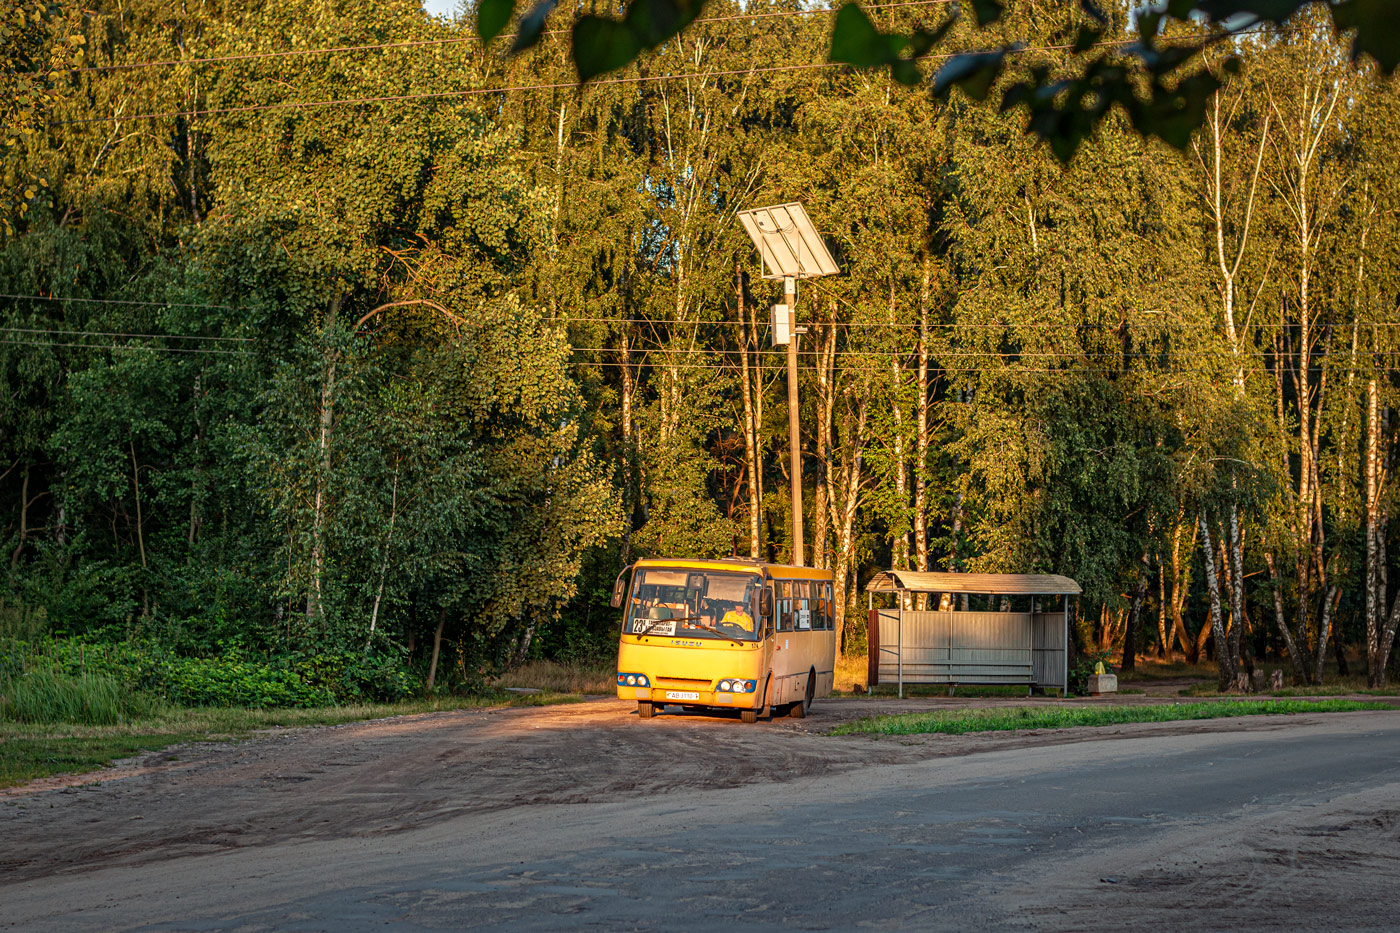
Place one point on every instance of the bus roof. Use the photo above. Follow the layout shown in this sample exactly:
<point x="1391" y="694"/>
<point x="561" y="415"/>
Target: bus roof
<point x="737" y="564"/>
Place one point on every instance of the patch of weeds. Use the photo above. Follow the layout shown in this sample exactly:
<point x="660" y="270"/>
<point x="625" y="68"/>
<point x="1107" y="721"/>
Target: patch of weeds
<point x="959" y="722"/>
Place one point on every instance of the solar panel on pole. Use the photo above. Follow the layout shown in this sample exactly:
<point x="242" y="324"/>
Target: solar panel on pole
<point x="790" y="248"/>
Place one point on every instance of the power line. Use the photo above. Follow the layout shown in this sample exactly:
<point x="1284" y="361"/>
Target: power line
<point x="558" y="85"/>
<point x="437" y="95"/>
<point x="459" y="40"/>
<point x="110" y="333"/>
<point x="117" y="346"/>
<point x="941" y="370"/>
<point x="1036" y="325"/>
<point x="115" y="301"/>
<point x="1215" y="354"/>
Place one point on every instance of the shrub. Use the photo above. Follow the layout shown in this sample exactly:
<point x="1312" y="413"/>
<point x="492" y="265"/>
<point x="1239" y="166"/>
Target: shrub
<point x="288" y="681"/>
<point x="1083" y="667"/>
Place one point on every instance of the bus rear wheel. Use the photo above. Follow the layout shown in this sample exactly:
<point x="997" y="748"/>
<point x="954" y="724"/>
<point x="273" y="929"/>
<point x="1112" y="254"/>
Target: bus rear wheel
<point x="799" y="710"/>
<point x="645" y="710"/>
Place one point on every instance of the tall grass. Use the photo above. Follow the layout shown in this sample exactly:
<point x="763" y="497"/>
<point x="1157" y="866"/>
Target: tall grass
<point x="958" y="722"/>
<point x="1148" y="669"/>
<point x="45" y="696"/>
<point x="554" y="677"/>
<point x="851" y="672"/>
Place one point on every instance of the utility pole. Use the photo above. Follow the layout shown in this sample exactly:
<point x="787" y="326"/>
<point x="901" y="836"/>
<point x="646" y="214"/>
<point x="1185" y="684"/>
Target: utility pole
<point x="791" y="249"/>
<point x="794" y="421"/>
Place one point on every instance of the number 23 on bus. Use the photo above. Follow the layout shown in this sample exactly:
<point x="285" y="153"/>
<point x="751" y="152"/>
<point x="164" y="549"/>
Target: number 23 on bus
<point x="725" y="634"/>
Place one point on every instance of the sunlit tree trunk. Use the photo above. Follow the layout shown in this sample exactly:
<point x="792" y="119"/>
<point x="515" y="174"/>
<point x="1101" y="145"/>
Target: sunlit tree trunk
<point x="901" y="468"/>
<point x="1163" y="640"/>
<point x="23" y="518"/>
<point x="1227" y="664"/>
<point x="846" y="493"/>
<point x="752" y="466"/>
<point x="314" y="606"/>
<point x="1295" y="657"/>
<point x="388" y="550"/>
<point x="1130" y="638"/>
<point x="921" y="438"/>
<point x="826" y="366"/>
<point x="1304" y="114"/>
<point x="1375" y="596"/>
<point x="437" y="647"/>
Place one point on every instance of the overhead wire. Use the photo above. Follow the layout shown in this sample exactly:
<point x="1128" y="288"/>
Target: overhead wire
<point x="109" y="333"/>
<point x="913" y="324"/>
<point x="1069" y="371"/>
<point x="1219" y="357"/>
<point x="980" y="354"/>
<point x="557" y="85"/>
<point x="114" y="301"/>
<point x="117" y="346"/>
<point x="458" y="40"/>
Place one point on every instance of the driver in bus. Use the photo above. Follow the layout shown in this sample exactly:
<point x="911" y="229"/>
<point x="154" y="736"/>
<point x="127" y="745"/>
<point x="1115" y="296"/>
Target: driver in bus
<point x="737" y="617"/>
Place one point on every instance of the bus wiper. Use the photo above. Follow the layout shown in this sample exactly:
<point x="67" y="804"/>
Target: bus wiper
<point x="711" y="628"/>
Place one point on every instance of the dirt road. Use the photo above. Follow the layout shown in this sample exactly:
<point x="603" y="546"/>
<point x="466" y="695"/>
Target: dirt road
<point x="456" y="812"/>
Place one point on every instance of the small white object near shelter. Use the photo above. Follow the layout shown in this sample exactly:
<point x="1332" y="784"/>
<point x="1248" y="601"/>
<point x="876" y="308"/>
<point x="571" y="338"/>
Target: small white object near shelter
<point x="1019" y="637"/>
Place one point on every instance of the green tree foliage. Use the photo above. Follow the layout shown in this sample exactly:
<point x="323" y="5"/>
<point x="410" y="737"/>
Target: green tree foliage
<point x="332" y="343"/>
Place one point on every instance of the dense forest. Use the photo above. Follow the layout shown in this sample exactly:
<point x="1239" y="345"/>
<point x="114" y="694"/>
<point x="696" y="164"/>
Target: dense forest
<point x="324" y="328"/>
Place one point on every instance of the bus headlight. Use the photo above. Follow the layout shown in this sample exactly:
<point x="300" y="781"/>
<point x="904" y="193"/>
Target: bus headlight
<point x="724" y="686"/>
<point x="642" y="680"/>
<point x="631" y="679"/>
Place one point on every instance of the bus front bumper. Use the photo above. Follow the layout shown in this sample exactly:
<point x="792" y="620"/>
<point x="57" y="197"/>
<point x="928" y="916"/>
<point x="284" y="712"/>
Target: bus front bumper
<point x="664" y="695"/>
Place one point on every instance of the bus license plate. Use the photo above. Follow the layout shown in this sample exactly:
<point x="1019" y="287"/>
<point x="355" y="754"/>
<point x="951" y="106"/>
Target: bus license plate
<point x="681" y="695"/>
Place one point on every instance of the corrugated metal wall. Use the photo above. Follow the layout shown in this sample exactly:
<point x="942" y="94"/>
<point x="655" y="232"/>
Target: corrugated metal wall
<point x="963" y="647"/>
<point x="1048" y="648"/>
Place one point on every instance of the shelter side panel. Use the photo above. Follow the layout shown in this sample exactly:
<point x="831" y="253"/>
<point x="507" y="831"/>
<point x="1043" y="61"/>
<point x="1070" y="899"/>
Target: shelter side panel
<point x="1048" y="648"/>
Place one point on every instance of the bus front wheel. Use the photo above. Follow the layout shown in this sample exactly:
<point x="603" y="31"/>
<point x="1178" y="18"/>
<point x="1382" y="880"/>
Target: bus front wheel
<point x="645" y="710"/>
<point x="748" y="715"/>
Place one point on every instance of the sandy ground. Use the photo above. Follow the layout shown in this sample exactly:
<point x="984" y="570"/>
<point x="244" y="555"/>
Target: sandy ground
<point x="386" y="776"/>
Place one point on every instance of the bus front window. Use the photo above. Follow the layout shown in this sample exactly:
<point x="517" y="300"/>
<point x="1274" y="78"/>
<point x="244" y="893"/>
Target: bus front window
<point x="696" y="604"/>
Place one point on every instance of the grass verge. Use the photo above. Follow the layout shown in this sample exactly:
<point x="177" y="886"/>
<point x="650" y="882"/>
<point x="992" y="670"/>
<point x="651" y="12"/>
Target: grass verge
<point x="1329" y="688"/>
<point x="958" y="722"/>
<point x="30" y="751"/>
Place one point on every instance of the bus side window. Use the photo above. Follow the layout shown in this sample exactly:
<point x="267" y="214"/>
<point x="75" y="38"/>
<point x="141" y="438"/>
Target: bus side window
<point x="784" y="605"/>
<point x="822" y="600"/>
<point x="829" y="612"/>
<point x="802" y="604"/>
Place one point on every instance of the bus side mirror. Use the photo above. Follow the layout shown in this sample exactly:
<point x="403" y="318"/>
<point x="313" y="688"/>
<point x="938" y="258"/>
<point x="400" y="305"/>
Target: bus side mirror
<point x="765" y="602"/>
<point x="619" y="592"/>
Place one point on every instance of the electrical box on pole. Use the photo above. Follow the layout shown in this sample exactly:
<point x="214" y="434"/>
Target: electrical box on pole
<point x="791" y="249"/>
<point x="782" y="325"/>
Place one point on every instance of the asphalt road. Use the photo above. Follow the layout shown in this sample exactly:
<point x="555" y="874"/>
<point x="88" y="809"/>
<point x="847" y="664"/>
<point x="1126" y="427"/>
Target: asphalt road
<point x="1289" y="823"/>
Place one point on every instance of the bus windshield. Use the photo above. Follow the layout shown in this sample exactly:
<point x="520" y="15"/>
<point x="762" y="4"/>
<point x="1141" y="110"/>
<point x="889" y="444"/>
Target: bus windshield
<point x="695" y="603"/>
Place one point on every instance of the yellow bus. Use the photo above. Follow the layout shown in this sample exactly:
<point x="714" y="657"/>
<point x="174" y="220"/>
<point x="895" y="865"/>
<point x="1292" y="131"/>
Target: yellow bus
<point x="724" y="635"/>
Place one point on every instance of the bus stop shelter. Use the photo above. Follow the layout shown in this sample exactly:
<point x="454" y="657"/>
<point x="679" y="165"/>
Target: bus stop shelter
<point x="1020" y="637"/>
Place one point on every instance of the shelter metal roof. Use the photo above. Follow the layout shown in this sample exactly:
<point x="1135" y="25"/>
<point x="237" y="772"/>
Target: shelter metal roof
<point x="998" y="584"/>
